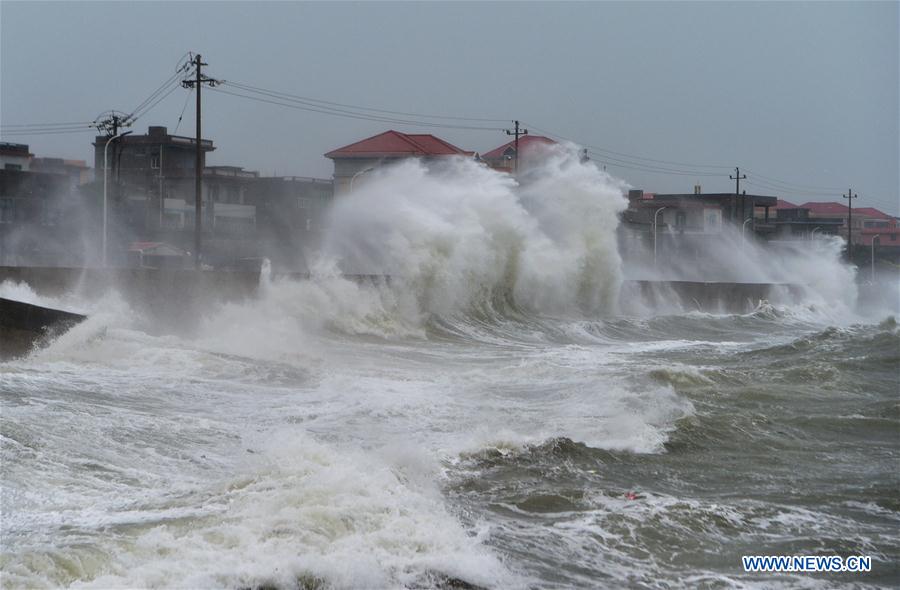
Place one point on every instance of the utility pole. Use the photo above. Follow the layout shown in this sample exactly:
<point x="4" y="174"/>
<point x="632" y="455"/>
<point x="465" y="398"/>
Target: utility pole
<point x="737" y="178"/>
<point x="197" y="83"/>
<point x="517" y="133"/>
<point x="850" y="196"/>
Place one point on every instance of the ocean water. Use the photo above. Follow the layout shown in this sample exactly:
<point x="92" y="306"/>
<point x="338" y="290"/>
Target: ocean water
<point x="496" y="418"/>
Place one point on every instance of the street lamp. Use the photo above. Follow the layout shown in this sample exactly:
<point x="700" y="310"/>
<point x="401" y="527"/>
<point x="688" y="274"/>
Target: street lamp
<point x="105" y="182"/>
<point x="875" y="237"/>
<point x="654" y="234"/>
<point x="360" y="173"/>
<point x="812" y="235"/>
<point x="744" y="227"/>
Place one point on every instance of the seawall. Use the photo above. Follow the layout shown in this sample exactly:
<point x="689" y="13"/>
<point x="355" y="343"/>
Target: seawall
<point x="178" y="295"/>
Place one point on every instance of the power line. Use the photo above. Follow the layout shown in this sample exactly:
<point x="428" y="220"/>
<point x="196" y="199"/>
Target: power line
<point x="169" y="82"/>
<point x="186" y="99"/>
<point x="4" y="133"/>
<point x="752" y="181"/>
<point x="320" y="102"/>
<point x="794" y="184"/>
<point x="137" y="115"/>
<point x="629" y="156"/>
<point x="38" y="125"/>
<point x="359" y="116"/>
<point x="619" y="163"/>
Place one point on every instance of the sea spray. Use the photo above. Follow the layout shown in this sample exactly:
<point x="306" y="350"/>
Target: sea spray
<point x="459" y="236"/>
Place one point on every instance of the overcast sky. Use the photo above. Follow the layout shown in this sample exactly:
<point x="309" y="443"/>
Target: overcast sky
<point x="799" y="95"/>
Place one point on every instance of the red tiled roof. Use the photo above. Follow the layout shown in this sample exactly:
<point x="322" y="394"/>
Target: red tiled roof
<point x="395" y="144"/>
<point x="782" y="204"/>
<point x="823" y="208"/>
<point x="831" y="208"/>
<point x="871" y="212"/>
<point x="525" y="142"/>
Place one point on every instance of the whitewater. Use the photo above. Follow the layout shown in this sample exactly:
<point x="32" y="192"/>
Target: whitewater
<point x="493" y="412"/>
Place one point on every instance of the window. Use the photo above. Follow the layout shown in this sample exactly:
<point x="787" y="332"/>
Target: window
<point x="6" y="210"/>
<point x="12" y="167"/>
<point x="154" y="161"/>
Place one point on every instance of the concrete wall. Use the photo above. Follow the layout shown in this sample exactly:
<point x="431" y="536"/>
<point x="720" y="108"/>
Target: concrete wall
<point x="181" y="297"/>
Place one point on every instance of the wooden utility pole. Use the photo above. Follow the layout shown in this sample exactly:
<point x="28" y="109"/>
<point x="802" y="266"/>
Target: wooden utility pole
<point x="850" y="196"/>
<point x="737" y="178"/>
<point x="197" y="83"/>
<point x="517" y="133"/>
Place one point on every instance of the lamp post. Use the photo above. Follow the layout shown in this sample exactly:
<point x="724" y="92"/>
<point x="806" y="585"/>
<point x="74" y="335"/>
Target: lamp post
<point x="743" y="228"/>
<point x="875" y="237"/>
<point x="812" y="235"/>
<point x="654" y="234"/>
<point x="360" y="173"/>
<point x="105" y="182"/>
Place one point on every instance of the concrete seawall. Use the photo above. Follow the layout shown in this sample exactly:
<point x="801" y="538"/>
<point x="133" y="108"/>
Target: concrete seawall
<point x="707" y="297"/>
<point x="178" y="295"/>
<point x="22" y="325"/>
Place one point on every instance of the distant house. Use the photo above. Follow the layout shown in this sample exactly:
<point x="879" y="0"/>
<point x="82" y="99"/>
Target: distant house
<point x="867" y="222"/>
<point x="696" y="213"/>
<point x="41" y="218"/>
<point x="356" y="159"/>
<point x="15" y="156"/>
<point x="503" y="158"/>
<point x="77" y="171"/>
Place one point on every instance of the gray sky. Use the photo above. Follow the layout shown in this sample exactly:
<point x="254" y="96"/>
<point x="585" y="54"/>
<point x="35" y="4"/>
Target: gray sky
<point x="802" y="93"/>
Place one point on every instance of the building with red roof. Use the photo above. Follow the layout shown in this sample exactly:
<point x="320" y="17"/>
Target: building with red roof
<point x="355" y="159"/>
<point x="868" y="222"/>
<point x="503" y="158"/>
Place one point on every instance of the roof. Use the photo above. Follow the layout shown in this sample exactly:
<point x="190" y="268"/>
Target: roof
<point x="872" y="212"/>
<point x="782" y="204"/>
<point x="525" y="142"/>
<point x="395" y="144"/>
<point x="832" y="208"/>
<point x="719" y="198"/>
<point x="824" y="208"/>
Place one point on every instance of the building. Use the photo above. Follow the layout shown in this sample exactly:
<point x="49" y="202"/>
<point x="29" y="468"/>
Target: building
<point x="867" y="222"/>
<point x="77" y="171"/>
<point x="356" y="159"/>
<point x="698" y="212"/>
<point x="797" y="224"/>
<point x="687" y="225"/>
<point x="43" y="221"/>
<point x="15" y="156"/>
<point x="503" y="158"/>
<point x="246" y="217"/>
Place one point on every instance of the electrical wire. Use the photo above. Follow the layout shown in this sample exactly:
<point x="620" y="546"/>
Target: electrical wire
<point x="39" y="125"/>
<point x="793" y="184"/>
<point x="619" y="163"/>
<point x="162" y="88"/>
<point x="629" y="156"/>
<point x="350" y="115"/>
<point x="4" y="133"/>
<point x="186" y="98"/>
<point x="320" y="103"/>
<point x="137" y="115"/>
